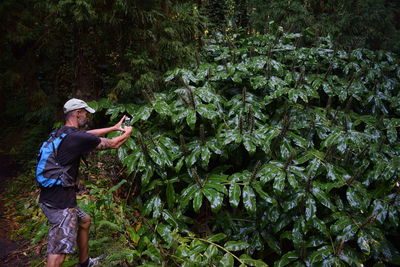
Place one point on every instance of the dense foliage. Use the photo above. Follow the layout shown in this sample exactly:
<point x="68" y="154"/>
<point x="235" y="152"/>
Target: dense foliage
<point x="271" y="148"/>
<point x="285" y="154"/>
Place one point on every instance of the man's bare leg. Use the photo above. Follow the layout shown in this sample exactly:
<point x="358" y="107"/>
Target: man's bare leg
<point x="83" y="239"/>
<point x="55" y="260"/>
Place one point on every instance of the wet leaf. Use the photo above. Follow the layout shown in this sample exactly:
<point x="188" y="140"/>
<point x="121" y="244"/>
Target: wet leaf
<point x="249" y="199"/>
<point x="217" y="237"/>
<point x="227" y="260"/>
<point x="236" y="245"/>
<point x="287" y="259"/>
<point x="234" y="195"/>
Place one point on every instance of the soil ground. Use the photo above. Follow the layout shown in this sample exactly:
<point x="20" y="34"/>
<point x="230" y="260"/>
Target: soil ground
<point x="11" y="252"/>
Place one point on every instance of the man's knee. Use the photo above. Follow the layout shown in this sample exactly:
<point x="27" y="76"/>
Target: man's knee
<point x="55" y="260"/>
<point x="85" y="222"/>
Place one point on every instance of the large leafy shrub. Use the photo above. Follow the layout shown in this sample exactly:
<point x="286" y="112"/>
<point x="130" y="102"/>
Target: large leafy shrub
<point x="285" y="154"/>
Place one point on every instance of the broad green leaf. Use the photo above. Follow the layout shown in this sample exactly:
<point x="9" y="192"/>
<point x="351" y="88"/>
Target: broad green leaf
<point x="313" y="167"/>
<point x="216" y="238"/>
<point x="161" y="107"/>
<point x="287" y="259"/>
<point x="197" y="200"/>
<point x="170" y="192"/>
<point x="321" y="254"/>
<point x="191" y="118"/>
<point x="236" y="245"/>
<point x="279" y="182"/>
<point x="311" y="208"/>
<point x="363" y="243"/>
<point x="323" y="198"/>
<point x="273" y="243"/>
<point x="248" y="261"/>
<point x="227" y="260"/>
<point x="207" y="111"/>
<point x="187" y="194"/>
<point x="211" y="251"/>
<point x="234" y="195"/>
<point x="156" y="157"/>
<point x="146" y="176"/>
<point x="192" y="157"/>
<point x="168" y="217"/>
<point x="249" y="199"/>
<point x="358" y="198"/>
<point x="248" y="143"/>
<point x="132" y="234"/>
<point x="205" y="155"/>
<point x="258" y="188"/>
<point x="214" y="197"/>
<point x="144" y="113"/>
<point x="292" y="180"/>
<point x="321" y="226"/>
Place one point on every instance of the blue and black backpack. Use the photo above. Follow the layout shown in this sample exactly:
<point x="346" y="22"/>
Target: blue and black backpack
<point x="49" y="171"/>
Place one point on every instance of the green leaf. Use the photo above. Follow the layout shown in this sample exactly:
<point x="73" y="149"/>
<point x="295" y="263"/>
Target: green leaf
<point x="258" y="188"/>
<point x="133" y="235"/>
<point x="287" y="259"/>
<point x="168" y="217"/>
<point x="227" y="260"/>
<point x="247" y="260"/>
<point x="207" y="111"/>
<point x="292" y="180"/>
<point x="192" y="157"/>
<point x="143" y="113"/>
<point x="279" y="181"/>
<point x="197" y="200"/>
<point x="191" y="118"/>
<point x="273" y="243"/>
<point x="205" y="155"/>
<point x="234" y="195"/>
<point x="236" y="245"/>
<point x="313" y="167"/>
<point x="211" y="251"/>
<point x="321" y="254"/>
<point x="187" y="194"/>
<point x="248" y="143"/>
<point x="170" y="192"/>
<point x="249" y="199"/>
<point x="146" y="175"/>
<point x="116" y="187"/>
<point x="216" y="238"/>
<point x="358" y="198"/>
<point x="161" y="107"/>
<point x="363" y="243"/>
<point x="311" y="208"/>
<point x="323" y="198"/>
<point x="214" y="197"/>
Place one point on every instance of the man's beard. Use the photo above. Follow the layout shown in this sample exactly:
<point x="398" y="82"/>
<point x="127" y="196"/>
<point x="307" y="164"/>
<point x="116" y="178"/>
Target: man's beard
<point x="82" y="123"/>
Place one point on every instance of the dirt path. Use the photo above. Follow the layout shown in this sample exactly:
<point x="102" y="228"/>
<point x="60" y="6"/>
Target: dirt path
<point x="11" y="252"/>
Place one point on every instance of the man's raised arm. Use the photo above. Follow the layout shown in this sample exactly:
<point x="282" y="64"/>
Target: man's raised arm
<point x="115" y="142"/>
<point x="104" y="131"/>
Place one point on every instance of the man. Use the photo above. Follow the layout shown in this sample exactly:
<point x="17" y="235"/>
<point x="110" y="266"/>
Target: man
<point x="69" y="224"/>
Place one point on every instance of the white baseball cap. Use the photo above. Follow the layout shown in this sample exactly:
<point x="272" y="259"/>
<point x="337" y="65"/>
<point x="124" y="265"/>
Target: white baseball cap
<point x="74" y="104"/>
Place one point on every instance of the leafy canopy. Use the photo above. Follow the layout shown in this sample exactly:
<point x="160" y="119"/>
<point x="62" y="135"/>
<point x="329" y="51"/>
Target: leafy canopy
<point x="285" y="154"/>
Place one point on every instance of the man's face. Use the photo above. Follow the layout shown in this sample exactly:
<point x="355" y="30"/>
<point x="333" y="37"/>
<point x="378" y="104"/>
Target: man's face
<point x="83" y="118"/>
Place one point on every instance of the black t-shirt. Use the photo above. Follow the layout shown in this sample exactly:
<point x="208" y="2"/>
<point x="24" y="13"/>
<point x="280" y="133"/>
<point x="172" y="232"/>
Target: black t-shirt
<point x="70" y="150"/>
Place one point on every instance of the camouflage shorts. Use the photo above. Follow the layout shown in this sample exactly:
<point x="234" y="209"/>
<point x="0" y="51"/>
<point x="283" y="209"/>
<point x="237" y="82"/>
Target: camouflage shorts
<point x="63" y="228"/>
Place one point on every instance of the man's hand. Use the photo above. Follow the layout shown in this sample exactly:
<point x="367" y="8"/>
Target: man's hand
<point x="118" y="126"/>
<point x="128" y="130"/>
<point x="115" y="142"/>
